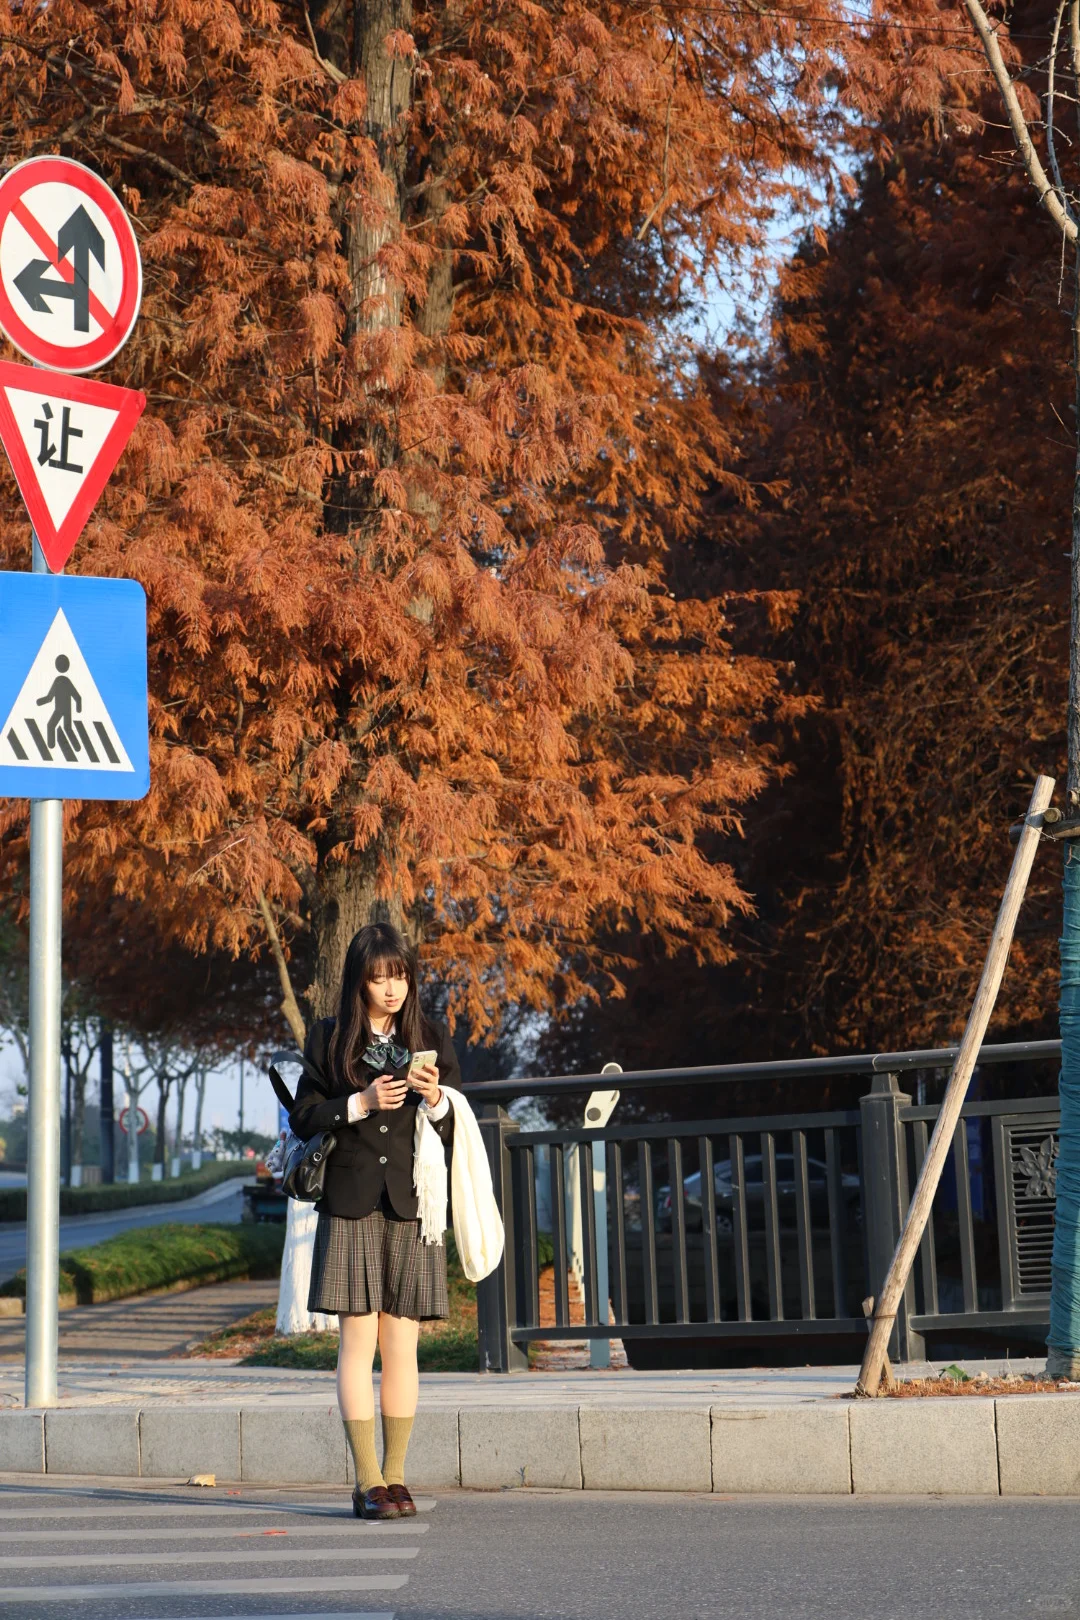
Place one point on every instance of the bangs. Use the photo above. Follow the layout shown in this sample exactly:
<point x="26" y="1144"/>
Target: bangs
<point x="388" y="967"/>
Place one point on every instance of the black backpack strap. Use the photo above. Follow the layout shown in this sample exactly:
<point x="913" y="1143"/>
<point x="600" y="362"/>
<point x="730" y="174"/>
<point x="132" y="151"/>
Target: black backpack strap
<point x="281" y="1090"/>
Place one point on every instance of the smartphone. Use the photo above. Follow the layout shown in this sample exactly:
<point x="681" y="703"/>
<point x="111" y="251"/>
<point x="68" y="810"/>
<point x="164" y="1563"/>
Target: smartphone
<point x="420" y="1059"/>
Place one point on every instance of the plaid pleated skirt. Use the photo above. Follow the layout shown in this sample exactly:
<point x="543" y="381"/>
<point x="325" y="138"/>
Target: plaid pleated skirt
<point x="377" y="1264"/>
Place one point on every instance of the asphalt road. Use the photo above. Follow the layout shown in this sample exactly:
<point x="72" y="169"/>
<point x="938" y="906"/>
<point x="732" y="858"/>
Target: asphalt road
<point x="128" y="1552"/>
<point x="222" y="1203"/>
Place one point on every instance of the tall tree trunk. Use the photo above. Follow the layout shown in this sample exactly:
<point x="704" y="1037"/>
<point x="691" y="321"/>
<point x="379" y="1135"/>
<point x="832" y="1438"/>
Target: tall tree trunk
<point x="79" y="1075"/>
<point x="106" y="1104"/>
<point x="343" y="897"/>
<point x="178" y="1139"/>
<point x="164" y="1083"/>
<point x="196" y="1134"/>
<point x="344" y="902"/>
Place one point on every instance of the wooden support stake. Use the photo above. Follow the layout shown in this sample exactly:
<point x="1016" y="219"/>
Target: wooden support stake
<point x="887" y="1379"/>
<point x="919" y="1210"/>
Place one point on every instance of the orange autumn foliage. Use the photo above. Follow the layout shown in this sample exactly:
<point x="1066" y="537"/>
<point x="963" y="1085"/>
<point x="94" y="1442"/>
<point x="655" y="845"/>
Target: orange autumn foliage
<point x="425" y="433"/>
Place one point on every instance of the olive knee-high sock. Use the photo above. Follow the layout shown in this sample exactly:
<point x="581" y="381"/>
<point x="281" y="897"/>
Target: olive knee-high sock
<point x="360" y="1433"/>
<point x="396" y="1432"/>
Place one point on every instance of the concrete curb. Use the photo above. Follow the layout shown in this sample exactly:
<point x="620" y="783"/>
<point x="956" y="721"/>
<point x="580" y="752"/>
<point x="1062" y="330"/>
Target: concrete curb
<point x="1026" y="1445"/>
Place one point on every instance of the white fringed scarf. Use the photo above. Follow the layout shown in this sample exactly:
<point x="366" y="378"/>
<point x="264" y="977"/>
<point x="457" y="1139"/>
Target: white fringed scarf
<point x="478" y="1227"/>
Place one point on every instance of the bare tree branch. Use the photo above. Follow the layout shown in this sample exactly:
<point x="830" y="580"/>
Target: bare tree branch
<point x="334" y="73"/>
<point x="289" y="1004"/>
<point x="1048" y="197"/>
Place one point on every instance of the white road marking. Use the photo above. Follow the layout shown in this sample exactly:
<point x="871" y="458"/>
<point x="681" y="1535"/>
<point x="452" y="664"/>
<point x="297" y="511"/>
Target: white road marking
<point x="128" y="1506"/>
<point x="226" y="1555"/>
<point x="197" y="1532"/>
<point x="192" y="1589"/>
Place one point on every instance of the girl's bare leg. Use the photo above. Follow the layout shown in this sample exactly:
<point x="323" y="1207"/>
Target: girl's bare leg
<point x="399" y="1387"/>
<point x="356" y="1353"/>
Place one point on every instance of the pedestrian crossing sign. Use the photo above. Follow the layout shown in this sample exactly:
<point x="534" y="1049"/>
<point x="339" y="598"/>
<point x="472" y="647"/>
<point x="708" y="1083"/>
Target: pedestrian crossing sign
<point x="72" y="688"/>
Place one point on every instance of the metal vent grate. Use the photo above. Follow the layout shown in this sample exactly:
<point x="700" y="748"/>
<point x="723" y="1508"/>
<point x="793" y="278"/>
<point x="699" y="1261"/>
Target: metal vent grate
<point x="1031" y="1150"/>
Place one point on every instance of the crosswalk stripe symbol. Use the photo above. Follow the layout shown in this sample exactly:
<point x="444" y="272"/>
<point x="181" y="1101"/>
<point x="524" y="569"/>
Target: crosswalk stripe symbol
<point x="59" y="718"/>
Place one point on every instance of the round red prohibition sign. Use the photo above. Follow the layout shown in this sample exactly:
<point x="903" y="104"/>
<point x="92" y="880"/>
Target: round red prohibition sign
<point x="70" y="273"/>
<point x="142" y="1120"/>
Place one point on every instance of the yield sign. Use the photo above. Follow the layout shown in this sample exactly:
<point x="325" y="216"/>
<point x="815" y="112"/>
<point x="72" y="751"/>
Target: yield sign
<point x="63" y="437"/>
<point x="70" y="273"/>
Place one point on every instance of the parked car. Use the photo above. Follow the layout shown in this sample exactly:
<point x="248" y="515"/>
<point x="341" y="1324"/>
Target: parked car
<point x="753" y="1180"/>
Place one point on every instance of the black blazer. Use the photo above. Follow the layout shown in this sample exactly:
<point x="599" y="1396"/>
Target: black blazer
<point x="376" y="1152"/>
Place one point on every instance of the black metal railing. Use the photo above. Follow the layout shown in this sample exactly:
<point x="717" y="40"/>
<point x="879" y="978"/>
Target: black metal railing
<point x="799" y="1226"/>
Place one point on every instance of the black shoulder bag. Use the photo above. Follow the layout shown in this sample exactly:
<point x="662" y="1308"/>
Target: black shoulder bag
<point x="303" y="1163"/>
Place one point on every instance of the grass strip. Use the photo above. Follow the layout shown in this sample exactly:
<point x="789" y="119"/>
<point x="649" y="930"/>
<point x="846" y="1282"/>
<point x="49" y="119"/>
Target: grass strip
<point x="449" y="1346"/>
<point x="121" y="1195"/>
<point x="160" y="1257"/>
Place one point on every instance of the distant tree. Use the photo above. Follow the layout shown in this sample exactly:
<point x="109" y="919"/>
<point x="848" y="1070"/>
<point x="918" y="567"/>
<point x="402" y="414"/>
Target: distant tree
<point x="233" y="1144"/>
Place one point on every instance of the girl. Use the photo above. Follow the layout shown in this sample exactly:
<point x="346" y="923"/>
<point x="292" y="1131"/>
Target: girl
<point x="370" y="1267"/>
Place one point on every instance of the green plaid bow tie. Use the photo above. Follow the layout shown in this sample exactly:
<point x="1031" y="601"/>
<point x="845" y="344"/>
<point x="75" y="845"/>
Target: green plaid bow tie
<point x="386" y="1054"/>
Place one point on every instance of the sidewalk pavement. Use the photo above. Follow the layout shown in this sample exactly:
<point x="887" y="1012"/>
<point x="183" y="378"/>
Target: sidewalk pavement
<point x="741" y="1432"/>
<point x="149" y="1325"/>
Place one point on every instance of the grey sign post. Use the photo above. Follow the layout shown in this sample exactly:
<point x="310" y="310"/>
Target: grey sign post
<point x="43" y="1137"/>
<point x="71" y="326"/>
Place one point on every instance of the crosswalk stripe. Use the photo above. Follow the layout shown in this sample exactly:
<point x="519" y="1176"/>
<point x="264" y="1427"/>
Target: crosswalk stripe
<point x="225" y="1555"/>
<point x="128" y="1507"/>
<point x="201" y="1532"/>
<point x="190" y="1589"/>
<point x="325" y="1614"/>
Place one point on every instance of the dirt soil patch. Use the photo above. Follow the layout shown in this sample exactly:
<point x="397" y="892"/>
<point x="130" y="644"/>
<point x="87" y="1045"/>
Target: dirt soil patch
<point x="980" y="1384"/>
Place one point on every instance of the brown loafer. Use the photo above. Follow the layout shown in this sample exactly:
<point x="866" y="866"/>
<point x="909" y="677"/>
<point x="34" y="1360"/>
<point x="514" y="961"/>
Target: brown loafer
<point x="374" y="1504"/>
<point x="401" y="1499"/>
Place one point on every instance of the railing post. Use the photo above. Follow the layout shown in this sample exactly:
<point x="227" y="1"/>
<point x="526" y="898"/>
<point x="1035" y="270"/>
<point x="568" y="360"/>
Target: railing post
<point x="885" y="1200"/>
<point x="496" y="1296"/>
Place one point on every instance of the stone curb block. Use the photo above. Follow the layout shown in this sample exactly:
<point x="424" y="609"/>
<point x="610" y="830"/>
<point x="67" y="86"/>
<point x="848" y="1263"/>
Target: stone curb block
<point x="1038" y="1445"/>
<point x="293" y="1445"/>
<point x="642" y="1449"/>
<point x="515" y="1445"/>
<point x="896" y="1451"/>
<point x="23" y="1450"/>
<point x="800" y="1449"/>
<point x="182" y="1440"/>
<point x="434" y="1457"/>
<point x="94" y="1440"/>
<point x="1030" y="1443"/>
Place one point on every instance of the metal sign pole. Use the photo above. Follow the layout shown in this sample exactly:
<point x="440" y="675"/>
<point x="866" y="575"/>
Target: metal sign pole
<point x="43" y="1141"/>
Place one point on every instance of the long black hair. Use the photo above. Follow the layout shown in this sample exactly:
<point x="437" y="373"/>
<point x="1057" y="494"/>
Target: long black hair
<point x="378" y="949"/>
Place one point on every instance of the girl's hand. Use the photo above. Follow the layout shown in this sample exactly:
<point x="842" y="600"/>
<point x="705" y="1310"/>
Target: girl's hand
<point x="425" y="1079"/>
<point x="385" y="1093"/>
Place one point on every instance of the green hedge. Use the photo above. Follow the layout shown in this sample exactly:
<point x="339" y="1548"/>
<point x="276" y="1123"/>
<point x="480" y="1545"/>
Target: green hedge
<point x="89" y="1200"/>
<point x="152" y="1257"/>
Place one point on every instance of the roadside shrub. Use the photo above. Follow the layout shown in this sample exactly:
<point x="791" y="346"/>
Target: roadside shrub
<point x="162" y="1257"/>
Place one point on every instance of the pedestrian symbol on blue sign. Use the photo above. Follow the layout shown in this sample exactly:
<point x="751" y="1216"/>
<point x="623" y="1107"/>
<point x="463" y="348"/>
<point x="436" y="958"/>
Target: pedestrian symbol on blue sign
<point x="72" y="688"/>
